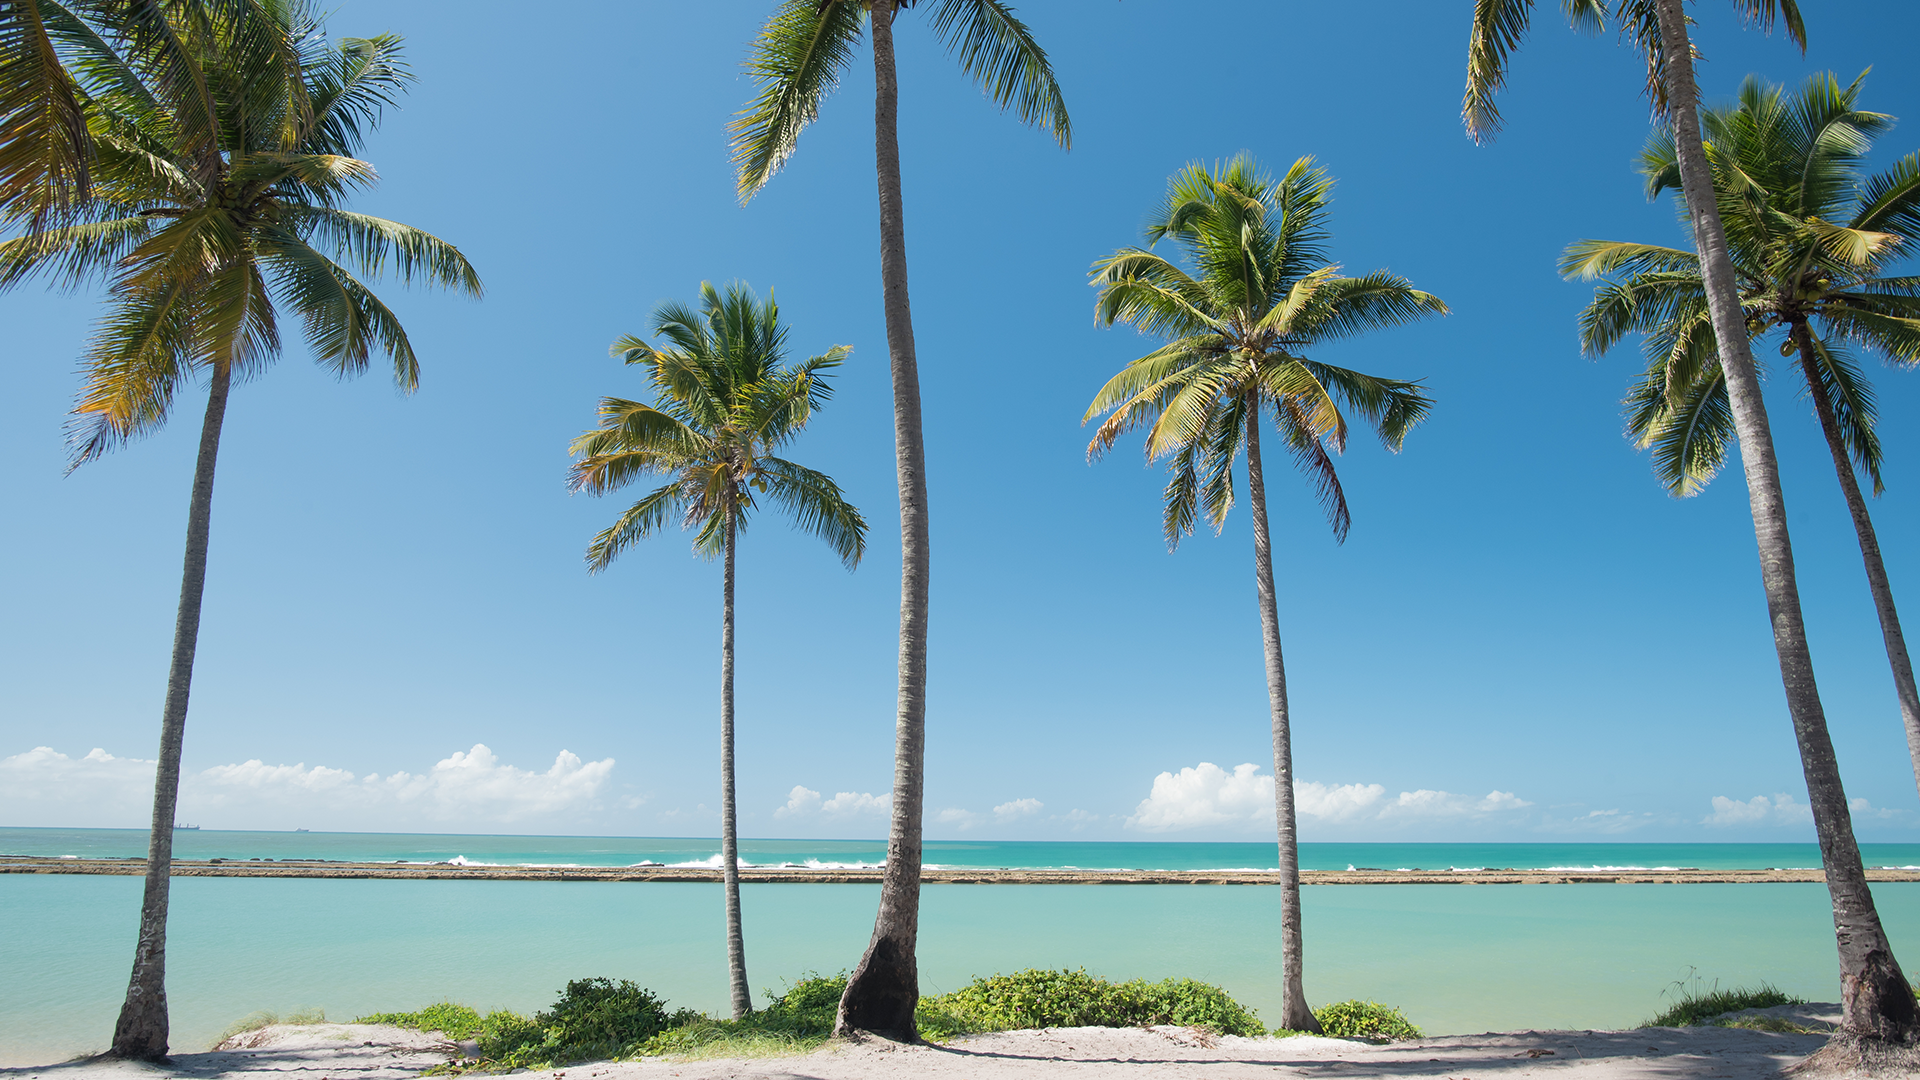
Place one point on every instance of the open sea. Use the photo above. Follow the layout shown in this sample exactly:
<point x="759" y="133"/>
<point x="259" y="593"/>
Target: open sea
<point x="1456" y="958"/>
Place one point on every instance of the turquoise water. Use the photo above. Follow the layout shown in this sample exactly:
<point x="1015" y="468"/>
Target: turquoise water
<point x="624" y="851"/>
<point x="1457" y="958"/>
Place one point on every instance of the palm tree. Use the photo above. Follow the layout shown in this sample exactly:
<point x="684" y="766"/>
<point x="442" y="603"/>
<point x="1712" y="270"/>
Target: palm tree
<point x="1786" y="173"/>
<point x="44" y="148"/>
<point x="1264" y="294"/>
<point x="1877" y="1005"/>
<point x="797" y="60"/>
<point x="725" y="403"/>
<point x="222" y="143"/>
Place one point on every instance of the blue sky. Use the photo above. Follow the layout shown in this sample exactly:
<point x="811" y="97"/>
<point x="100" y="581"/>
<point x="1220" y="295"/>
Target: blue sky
<point x="1519" y="610"/>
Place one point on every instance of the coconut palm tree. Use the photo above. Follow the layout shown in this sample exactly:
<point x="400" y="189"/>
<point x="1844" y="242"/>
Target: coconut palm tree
<point x="797" y="61"/>
<point x="222" y="142"/>
<point x="1809" y="238"/>
<point x="1878" y="1011"/>
<point x="725" y="402"/>
<point x="1260" y="294"/>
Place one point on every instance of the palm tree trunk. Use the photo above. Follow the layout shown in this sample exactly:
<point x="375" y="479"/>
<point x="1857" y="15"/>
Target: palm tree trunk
<point x="885" y="985"/>
<point x="729" y="843"/>
<point x="141" y="1032"/>
<point x="1295" y="1014"/>
<point x="1877" y="584"/>
<point x="1876" y="1002"/>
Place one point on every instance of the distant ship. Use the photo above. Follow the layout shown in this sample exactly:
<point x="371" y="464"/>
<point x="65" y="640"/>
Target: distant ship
<point x="186" y="828"/>
<point x="303" y="830"/>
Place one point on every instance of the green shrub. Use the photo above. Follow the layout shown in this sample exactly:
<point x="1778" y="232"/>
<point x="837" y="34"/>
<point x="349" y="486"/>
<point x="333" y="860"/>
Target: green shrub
<point x="453" y="1021"/>
<point x="1367" y="1020"/>
<point x="1035" y="998"/>
<point x="1694" y="1004"/>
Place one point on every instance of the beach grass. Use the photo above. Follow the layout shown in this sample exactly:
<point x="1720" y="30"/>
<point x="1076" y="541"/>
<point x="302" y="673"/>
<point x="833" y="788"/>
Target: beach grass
<point x="256" y="1021"/>
<point x="1695" y="1004"/>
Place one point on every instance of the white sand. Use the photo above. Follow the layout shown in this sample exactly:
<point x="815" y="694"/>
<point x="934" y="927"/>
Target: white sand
<point x="374" y="1052"/>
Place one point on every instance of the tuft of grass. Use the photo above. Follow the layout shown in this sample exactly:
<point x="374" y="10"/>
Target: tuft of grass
<point x="1695" y="1004"/>
<point x="266" y="1018"/>
<point x="1367" y="1020"/>
<point x="1767" y="1023"/>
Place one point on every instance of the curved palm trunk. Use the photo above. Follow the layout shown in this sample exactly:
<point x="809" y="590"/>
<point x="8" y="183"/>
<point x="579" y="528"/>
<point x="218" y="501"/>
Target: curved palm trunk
<point x="1295" y="1015"/>
<point x="1877" y="1004"/>
<point x="885" y="986"/>
<point x="1877" y="584"/>
<point x="141" y="1031"/>
<point x="729" y="844"/>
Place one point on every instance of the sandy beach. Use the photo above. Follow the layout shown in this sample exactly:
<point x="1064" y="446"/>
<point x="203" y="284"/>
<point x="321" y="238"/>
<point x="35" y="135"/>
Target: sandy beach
<point x="379" y="1052"/>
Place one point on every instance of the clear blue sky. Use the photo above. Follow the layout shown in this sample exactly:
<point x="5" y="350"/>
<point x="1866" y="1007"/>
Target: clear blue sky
<point x="1519" y="609"/>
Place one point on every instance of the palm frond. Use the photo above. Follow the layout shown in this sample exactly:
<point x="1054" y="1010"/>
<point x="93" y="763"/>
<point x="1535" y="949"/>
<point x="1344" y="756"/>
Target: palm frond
<point x="817" y="506"/>
<point x="1854" y="410"/>
<point x="1310" y="456"/>
<point x="637" y="522"/>
<point x="374" y="245"/>
<point x="45" y="149"/>
<point x="797" y="61"/>
<point x="999" y="52"/>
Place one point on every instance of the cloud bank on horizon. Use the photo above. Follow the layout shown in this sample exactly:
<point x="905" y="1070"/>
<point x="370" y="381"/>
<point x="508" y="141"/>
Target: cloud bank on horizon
<point x="473" y="790"/>
<point x="467" y="790"/>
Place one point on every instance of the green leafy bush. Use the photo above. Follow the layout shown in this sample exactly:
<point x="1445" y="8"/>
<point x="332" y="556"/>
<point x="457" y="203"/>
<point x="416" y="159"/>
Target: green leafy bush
<point x="1035" y="998"/>
<point x="1367" y="1020"/>
<point x="1695" y="1005"/>
<point x="453" y="1021"/>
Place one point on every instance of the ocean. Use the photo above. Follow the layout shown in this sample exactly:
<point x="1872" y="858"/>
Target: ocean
<point x="1456" y="958"/>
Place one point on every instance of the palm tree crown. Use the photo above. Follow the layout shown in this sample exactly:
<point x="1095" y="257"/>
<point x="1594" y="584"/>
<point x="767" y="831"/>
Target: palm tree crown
<point x="1261" y="292"/>
<point x="223" y="148"/>
<point x="725" y="402"/>
<point x="1809" y="237"/>
<point x="803" y="50"/>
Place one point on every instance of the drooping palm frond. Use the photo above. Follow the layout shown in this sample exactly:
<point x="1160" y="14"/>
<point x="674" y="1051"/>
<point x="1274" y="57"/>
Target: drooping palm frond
<point x="45" y="150"/>
<point x="999" y="52"/>
<point x="797" y="60"/>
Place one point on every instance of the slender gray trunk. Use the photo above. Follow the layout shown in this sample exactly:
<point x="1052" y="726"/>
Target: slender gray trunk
<point x="1877" y="585"/>
<point x="1876" y="1001"/>
<point x="1295" y="1013"/>
<point x="885" y="985"/>
<point x="141" y="1032"/>
<point x="729" y="843"/>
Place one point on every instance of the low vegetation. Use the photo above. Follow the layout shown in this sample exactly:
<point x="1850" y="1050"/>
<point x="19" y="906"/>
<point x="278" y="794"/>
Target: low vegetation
<point x="1367" y="1020"/>
<point x="1696" y="1005"/>
<point x="599" y="1019"/>
<point x="256" y="1021"/>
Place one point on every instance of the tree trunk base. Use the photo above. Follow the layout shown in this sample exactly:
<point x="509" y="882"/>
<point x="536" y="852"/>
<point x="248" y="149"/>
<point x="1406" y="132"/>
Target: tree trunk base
<point x="1850" y="1055"/>
<point x="881" y="996"/>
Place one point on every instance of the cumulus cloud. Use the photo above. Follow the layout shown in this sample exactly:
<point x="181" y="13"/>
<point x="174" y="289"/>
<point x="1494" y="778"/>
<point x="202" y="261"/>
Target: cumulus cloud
<point x="1017" y="809"/>
<point x="1207" y="796"/>
<point x="1759" y="810"/>
<point x="804" y="802"/>
<point x="469" y="787"/>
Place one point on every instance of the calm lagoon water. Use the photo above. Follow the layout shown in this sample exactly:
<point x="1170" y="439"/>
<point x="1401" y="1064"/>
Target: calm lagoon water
<point x="1457" y="958"/>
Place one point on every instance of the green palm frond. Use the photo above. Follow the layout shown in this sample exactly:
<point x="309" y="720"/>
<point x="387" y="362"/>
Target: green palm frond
<point x="1854" y="410"/>
<point x="724" y="401"/>
<point x="1255" y="291"/>
<point x="344" y="320"/>
<point x="1590" y="259"/>
<point x="797" y="61"/>
<point x="375" y="245"/>
<point x="817" y="506"/>
<point x="1498" y="28"/>
<point x="349" y="89"/>
<point x="637" y="522"/>
<point x="45" y="149"/>
<point x="999" y="52"/>
<point x="1687" y="427"/>
<point x="73" y="255"/>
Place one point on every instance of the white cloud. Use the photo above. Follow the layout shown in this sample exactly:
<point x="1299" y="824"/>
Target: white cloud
<point x="1207" y="796"/>
<point x="953" y="815"/>
<point x="805" y="802"/>
<point x="1863" y="809"/>
<point x="1077" y="819"/>
<point x="801" y="800"/>
<point x="1017" y="809"/>
<point x="468" y="787"/>
<point x="1330" y="802"/>
<point x="1759" y="810"/>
